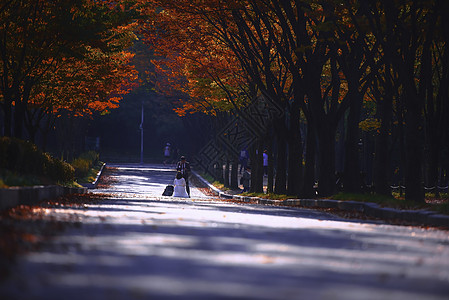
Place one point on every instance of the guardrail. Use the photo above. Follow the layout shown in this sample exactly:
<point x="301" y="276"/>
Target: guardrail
<point x="441" y="189"/>
<point x="30" y="195"/>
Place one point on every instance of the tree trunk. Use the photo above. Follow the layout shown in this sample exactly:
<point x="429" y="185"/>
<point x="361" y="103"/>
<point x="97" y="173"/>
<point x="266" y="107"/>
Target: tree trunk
<point x="257" y="170"/>
<point x="281" y="159"/>
<point x="7" y="121"/>
<point x="351" y="180"/>
<point x="413" y="150"/>
<point x="434" y="158"/>
<point x="226" y="174"/>
<point x="218" y="171"/>
<point x="19" y="116"/>
<point x="309" y="171"/>
<point x="270" y="179"/>
<point x="326" y="143"/>
<point x="295" y="154"/>
<point x="382" y="158"/>
<point x="401" y="134"/>
<point x="234" y="173"/>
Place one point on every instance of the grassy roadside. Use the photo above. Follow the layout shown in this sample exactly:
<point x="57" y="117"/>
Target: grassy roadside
<point x="14" y="179"/>
<point x="440" y="204"/>
<point x="91" y="174"/>
<point x="215" y="183"/>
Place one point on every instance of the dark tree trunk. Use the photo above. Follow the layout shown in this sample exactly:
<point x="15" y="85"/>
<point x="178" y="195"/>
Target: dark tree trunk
<point x="351" y="180"/>
<point x="309" y="171"/>
<point x="413" y="141"/>
<point x="326" y="140"/>
<point x="382" y="158"/>
<point x="400" y="116"/>
<point x="19" y="115"/>
<point x="437" y="108"/>
<point x="295" y="154"/>
<point x="226" y="174"/>
<point x="270" y="177"/>
<point x="234" y="174"/>
<point x="257" y="170"/>
<point x="7" y="121"/>
<point x="49" y="123"/>
<point x="218" y="171"/>
<point x="281" y="159"/>
<point x="434" y="159"/>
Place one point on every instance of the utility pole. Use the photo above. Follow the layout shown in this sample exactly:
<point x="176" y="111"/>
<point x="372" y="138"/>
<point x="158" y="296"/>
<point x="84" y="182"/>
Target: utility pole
<point x="141" y="138"/>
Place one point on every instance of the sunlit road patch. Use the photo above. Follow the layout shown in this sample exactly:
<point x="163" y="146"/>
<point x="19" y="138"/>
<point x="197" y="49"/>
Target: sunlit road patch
<point x="140" y="245"/>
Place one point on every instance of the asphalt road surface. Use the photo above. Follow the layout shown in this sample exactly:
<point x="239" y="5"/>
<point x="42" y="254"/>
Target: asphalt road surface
<point x="138" y="244"/>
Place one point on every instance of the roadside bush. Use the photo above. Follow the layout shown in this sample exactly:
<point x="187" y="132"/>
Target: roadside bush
<point x="63" y="172"/>
<point x="30" y="159"/>
<point x="20" y="156"/>
<point x="23" y="157"/>
<point x="91" y="157"/>
<point x="81" y="167"/>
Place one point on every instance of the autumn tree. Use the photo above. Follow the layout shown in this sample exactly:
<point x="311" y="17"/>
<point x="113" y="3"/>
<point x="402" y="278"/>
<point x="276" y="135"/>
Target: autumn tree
<point x="325" y="60"/>
<point x="265" y="51"/>
<point x="62" y="54"/>
<point x="410" y="38"/>
<point x="250" y="46"/>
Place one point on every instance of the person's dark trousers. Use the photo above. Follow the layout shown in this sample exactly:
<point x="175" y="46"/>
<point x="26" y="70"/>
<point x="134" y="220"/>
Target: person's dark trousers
<point x="186" y="178"/>
<point x="243" y="163"/>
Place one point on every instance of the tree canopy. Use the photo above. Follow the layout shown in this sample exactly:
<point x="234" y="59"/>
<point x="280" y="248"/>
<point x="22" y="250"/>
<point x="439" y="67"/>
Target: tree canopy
<point x="330" y="61"/>
<point x="362" y="85"/>
<point x="63" y="55"/>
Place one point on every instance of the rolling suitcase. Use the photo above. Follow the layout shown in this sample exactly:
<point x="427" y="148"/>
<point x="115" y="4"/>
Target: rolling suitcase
<point x="168" y="190"/>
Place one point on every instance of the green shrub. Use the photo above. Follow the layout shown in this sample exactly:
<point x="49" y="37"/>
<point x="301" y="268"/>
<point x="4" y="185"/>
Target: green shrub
<point x="23" y="157"/>
<point x="64" y="171"/>
<point x="20" y="156"/>
<point x="30" y="160"/>
<point x="81" y="167"/>
<point x="91" y="156"/>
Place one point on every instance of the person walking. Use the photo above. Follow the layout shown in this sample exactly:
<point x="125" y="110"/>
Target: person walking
<point x="167" y="151"/>
<point x="245" y="180"/>
<point x="183" y="167"/>
<point x="265" y="163"/>
<point x="180" y="186"/>
<point x="243" y="158"/>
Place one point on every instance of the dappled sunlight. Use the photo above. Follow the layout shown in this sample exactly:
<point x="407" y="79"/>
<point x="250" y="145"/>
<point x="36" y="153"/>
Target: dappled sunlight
<point x="202" y="256"/>
<point x="196" y="238"/>
<point x="133" y="245"/>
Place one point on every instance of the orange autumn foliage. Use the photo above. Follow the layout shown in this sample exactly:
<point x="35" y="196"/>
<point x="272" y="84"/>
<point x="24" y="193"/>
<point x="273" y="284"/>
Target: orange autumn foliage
<point x="96" y="83"/>
<point x="64" y="55"/>
<point x="192" y="59"/>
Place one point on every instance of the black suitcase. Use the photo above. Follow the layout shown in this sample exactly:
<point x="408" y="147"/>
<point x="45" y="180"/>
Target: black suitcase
<point x="168" y="190"/>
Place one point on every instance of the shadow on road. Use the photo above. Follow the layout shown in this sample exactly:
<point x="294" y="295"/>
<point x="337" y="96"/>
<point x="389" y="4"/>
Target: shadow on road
<point x="149" y="247"/>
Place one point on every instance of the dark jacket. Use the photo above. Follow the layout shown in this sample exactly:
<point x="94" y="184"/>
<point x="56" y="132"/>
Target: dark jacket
<point x="184" y="168"/>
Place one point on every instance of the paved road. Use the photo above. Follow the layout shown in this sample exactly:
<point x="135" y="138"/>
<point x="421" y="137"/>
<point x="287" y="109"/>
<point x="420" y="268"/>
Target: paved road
<point x="139" y="245"/>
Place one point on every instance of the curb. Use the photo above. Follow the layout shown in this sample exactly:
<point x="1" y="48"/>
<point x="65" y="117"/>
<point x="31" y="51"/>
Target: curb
<point x="93" y="185"/>
<point x="30" y="195"/>
<point x="418" y="217"/>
